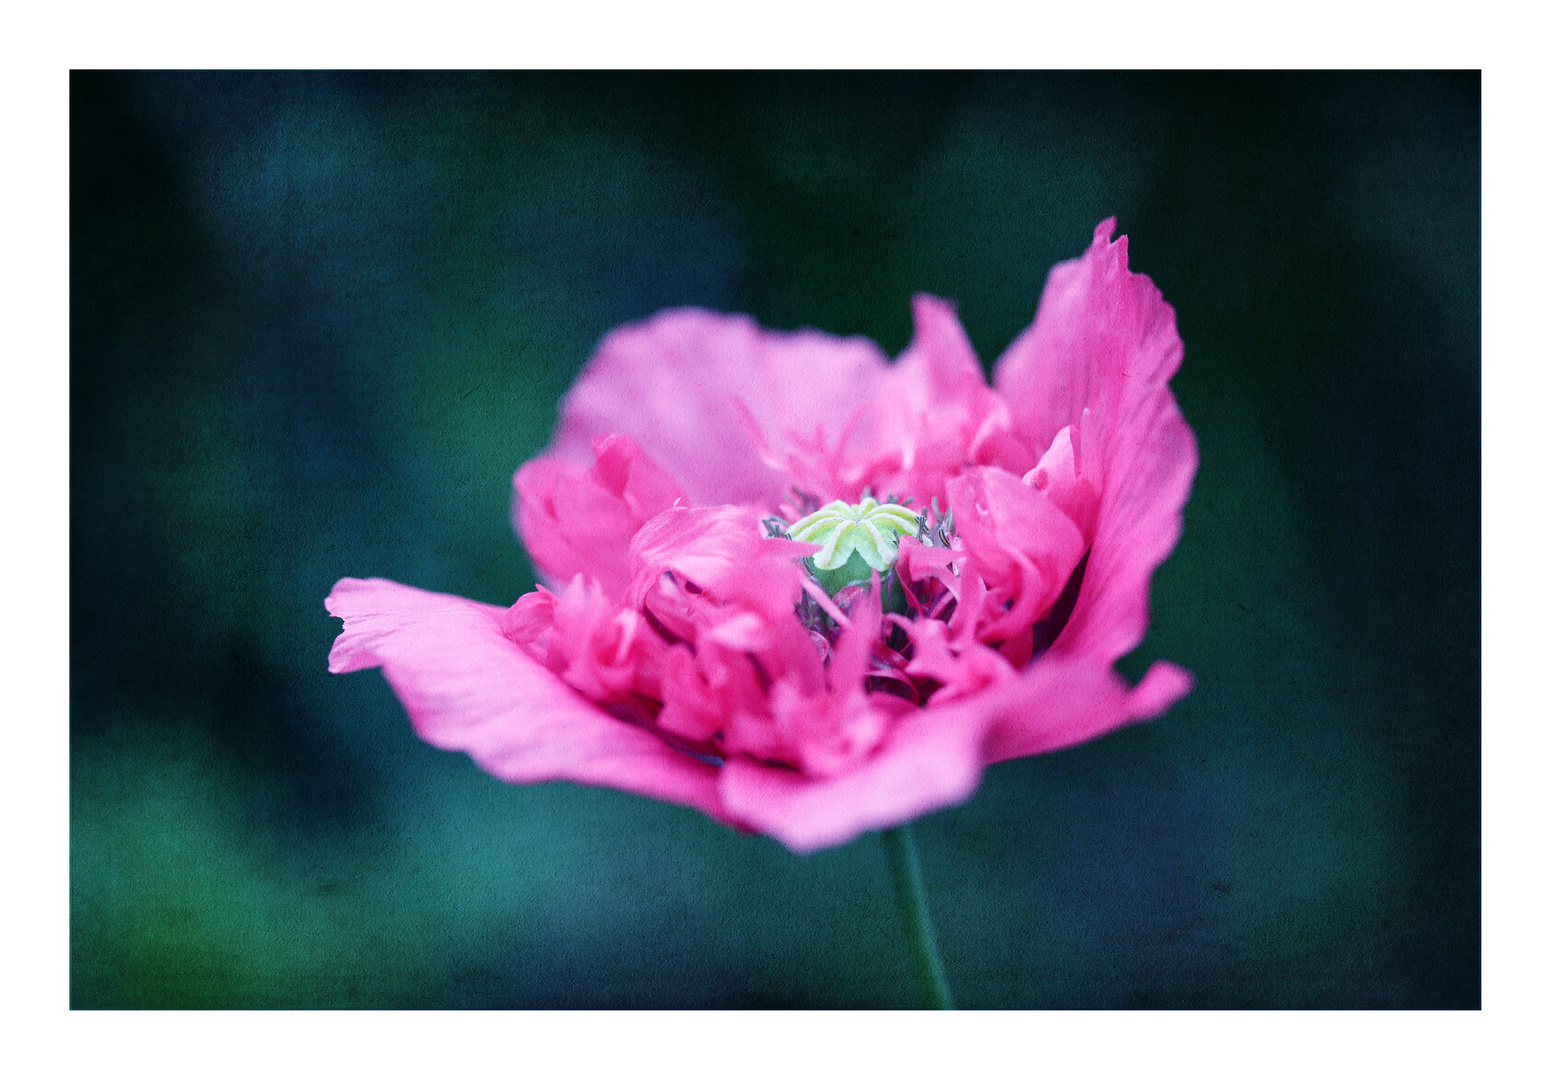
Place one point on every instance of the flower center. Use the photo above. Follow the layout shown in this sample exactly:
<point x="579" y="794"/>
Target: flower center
<point x="857" y="539"/>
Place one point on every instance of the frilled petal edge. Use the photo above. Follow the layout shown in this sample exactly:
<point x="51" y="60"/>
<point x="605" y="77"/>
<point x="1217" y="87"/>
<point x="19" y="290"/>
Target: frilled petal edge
<point x="1099" y="356"/>
<point x="719" y="402"/>
<point x="933" y="759"/>
<point x="468" y="687"/>
<point x="1059" y="703"/>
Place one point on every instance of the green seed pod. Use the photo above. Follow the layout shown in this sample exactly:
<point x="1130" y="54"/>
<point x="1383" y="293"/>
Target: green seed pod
<point x="857" y="540"/>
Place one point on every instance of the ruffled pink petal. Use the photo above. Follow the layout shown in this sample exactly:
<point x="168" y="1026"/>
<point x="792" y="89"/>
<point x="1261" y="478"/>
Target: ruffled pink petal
<point x="691" y="709"/>
<point x="532" y="615"/>
<point x="918" y="565"/>
<point x="849" y="664"/>
<point x="530" y="622"/>
<point x="1018" y="541"/>
<point x="1106" y="342"/>
<point x="704" y="546"/>
<point x="935" y="414"/>
<point x="1059" y="478"/>
<point x="627" y="472"/>
<point x="964" y="668"/>
<point x="720" y="550"/>
<point x="826" y="729"/>
<point x="1140" y="517"/>
<point x="467" y="686"/>
<point x="1103" y="339"/>
<point x="604" y="652"/>
<point x="831" y="734"/>
<point x="577" y="520"/>
<point x="716" y="400"/>
<point x="932" y="758"/>
<point x="1058" y="703"/>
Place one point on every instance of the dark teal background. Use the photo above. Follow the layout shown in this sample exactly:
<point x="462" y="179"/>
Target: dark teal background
<point x="317" y="321"/>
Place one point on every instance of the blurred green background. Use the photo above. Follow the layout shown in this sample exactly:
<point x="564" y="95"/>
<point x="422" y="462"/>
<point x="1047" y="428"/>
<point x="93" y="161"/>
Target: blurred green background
<point x="317" y="321"/>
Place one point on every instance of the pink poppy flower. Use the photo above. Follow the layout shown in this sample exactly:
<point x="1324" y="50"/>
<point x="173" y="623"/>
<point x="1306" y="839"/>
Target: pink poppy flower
<point x="809" y="592"/>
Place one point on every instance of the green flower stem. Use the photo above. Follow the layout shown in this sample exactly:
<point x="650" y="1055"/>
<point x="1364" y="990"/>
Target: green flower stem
<point x="901" y="848"/>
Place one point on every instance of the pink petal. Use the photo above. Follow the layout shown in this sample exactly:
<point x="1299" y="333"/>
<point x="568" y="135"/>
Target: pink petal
<point x="721" y="550"/>
<point x="1009" y="529"/>
<point x="577" y="520"/>
<point x="932" y="759"/>
<point x="1058" y="703"/>
<point x="691" y="709"/>
<point x="605" y="653"/>
<point x="689" y="386"/>
<point x="628" y="472"/>
<point x="530" y="622"/>
<point x="827" y="735"/>
<point x="935" y="414"/>
<point x="918" y="563"/>
<point x="468" y="687"/>
<point x="1139" y="522"/>
<point x="530" y="616"/>
<point x="1106" y="342"/>
<point x="849" y="663"/>
<point x="964" y="672"/>
<point x="1103" y="338"/>
<point x="1057" y="477"/>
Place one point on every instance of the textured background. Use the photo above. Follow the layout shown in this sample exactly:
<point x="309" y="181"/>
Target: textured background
<point x="318" y="320"/>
